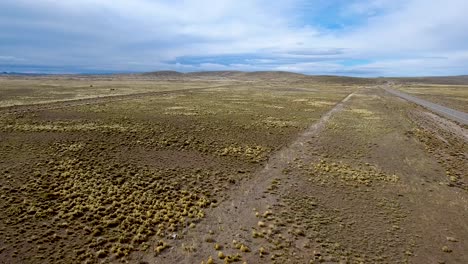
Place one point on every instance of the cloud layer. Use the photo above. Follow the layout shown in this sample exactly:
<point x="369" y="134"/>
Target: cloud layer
<point x="362" y="38"/>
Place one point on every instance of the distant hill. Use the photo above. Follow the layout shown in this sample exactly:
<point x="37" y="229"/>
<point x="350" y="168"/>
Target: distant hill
<point x="239" y="75"/>
<point x="449" y="80"/>
<point x="163" y="74"/>
<point x="215" y="74"/>
<point x="342" y="79"/>
<point x="23" y="74"/>
<point x="232" y="75"/>
<point x="258" y="75"/>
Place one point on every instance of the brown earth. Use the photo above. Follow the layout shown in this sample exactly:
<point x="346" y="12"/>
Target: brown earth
<point x="352" y="192"/>
<point x="255" y="174"/>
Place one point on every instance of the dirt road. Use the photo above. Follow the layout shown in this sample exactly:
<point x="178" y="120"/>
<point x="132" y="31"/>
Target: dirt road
<point x="365" y="184"/>
<point x="376" y="179"/>
<point x="94" y="100"/>
<point x="230" y="221"/>
<point x="445" y="111"/>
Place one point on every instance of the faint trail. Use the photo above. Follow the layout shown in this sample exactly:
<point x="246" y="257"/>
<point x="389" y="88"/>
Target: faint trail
<point x="289" y="153"/>
<point x="235" y="216"/>
<point x="283" y="157"/>
<point x="94" y="100"/>
<point x="445" y="111"/>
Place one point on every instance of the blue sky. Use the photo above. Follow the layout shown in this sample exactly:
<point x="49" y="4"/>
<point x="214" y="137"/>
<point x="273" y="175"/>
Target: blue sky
<point x="343" y="37"/>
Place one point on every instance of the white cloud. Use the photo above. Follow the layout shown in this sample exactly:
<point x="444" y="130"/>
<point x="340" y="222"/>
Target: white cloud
<point x="419" y="26"/>
<point x="8" y="58"/>
<point x="371" y="7"/>
<point x="399" y="37"/>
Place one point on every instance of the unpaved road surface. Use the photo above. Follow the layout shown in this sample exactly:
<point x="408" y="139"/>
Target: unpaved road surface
<point x="230" y="221"/>
<point x="93" y="100"/>
<point x="445" y="111"/>
<point x="371" y="178"/>
<point x="374" y="181"/>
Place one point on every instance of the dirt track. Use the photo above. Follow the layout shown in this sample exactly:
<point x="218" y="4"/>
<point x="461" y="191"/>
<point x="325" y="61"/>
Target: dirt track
<point x="235" y="214"/>
<point x="94" y="100"/>
<point x="445" y="111"/>
<point x="341" y="193"/>
<point x="266" y="177"/>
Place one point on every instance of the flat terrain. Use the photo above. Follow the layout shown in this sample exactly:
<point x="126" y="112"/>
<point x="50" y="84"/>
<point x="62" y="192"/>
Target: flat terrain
<point x="46" y="89"/>
<point x="227" y="167"/>
<point x="450" y="113"/>
<point x="452" y="96"/>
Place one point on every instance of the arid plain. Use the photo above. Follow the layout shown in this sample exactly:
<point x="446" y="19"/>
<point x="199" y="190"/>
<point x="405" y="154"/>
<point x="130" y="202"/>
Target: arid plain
<point x="221" y="167"/>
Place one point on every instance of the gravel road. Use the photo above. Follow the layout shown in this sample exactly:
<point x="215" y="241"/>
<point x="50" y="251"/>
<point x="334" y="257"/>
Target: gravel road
<point x="458" y="116"/>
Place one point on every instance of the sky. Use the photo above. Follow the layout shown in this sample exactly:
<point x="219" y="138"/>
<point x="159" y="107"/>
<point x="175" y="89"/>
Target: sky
<point x="333" y="37"/>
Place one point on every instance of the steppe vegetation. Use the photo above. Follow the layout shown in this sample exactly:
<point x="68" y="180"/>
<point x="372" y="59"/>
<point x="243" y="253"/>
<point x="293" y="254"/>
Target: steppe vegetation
<point x="34" y="90"/>
<point x="228" y="167"/>
<point x="453" y="96"/>
<point x="102" y="180"/>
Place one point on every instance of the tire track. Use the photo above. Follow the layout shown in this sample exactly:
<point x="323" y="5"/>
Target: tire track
<point x="94" y="100"/>
<point x="233" y="218"/>
<point x="442" y="110"/>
